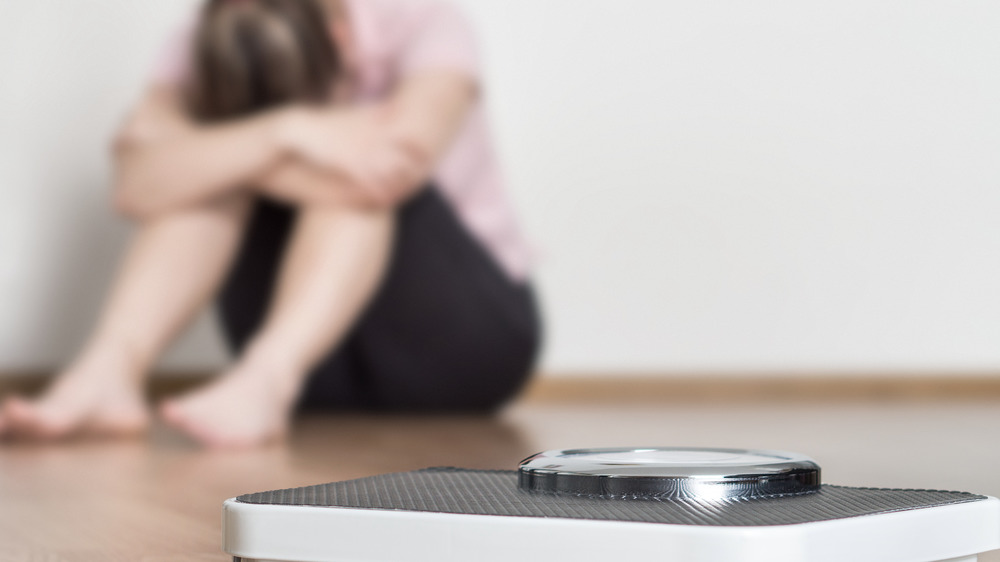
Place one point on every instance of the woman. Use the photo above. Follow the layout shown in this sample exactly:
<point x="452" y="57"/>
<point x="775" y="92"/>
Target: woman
<point x="322" y="166"/>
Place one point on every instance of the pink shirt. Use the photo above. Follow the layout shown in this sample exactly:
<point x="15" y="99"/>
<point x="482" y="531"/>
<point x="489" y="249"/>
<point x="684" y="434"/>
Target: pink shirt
<point x="395" y="38"/>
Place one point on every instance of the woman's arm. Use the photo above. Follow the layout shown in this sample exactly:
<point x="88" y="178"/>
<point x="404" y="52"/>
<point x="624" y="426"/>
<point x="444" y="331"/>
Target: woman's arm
<point x="297" y="182"/>
<point x="384" y="151"/>
<point x="164" y="161"/>
<point x="374" y="155"/>
<point x="428" y="109"/>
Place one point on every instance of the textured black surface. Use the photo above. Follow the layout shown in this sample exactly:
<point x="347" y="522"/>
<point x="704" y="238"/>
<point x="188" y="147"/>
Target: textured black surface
<point x="477" y="492"/>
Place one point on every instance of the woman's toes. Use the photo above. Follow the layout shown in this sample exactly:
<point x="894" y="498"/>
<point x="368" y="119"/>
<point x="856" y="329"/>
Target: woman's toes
<point x="168" y="412"/>
<point x="191" y="424"/>
<point x="27" y="419"/>
<point x="20" y="415"/>
<point x="211" y="437"/>
<point x="173" y="413"/>
<point x="56" y="417"/>
<point x="120" y="425"/>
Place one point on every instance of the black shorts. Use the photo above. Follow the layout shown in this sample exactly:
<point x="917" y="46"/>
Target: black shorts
<point x="448" y="330"/>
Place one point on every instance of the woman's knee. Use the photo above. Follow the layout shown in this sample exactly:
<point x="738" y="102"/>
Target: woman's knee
<point x="346" y="216"/>
<point x="233" y="208"/>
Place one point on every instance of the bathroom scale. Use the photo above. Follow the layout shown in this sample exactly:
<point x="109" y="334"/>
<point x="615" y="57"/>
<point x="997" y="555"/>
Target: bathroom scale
<point x="616" y="504"/>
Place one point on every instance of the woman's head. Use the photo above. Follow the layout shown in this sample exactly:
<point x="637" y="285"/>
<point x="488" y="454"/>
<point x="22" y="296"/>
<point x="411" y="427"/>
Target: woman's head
<point x="251" y="55"/>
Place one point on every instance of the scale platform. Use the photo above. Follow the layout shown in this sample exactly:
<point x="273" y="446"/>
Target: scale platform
<point x="599" y="505"/>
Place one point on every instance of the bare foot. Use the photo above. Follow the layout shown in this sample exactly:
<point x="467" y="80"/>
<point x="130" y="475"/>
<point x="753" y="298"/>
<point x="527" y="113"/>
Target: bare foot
<point x="245" y="407"/>
<point x="96" y="397"/>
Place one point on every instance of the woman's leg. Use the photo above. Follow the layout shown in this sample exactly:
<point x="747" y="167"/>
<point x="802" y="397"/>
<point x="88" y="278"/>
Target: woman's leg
<point x="334" y="262"/>
<point x="449" y="330"/>
<point x="172" y="268"/>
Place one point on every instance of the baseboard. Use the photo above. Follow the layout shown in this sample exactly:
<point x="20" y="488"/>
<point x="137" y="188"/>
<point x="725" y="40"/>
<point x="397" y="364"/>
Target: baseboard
<point x="673" y="387"/>
<point x="160" y="384"/>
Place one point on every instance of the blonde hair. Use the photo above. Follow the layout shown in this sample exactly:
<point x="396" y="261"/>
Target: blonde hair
<point x="250" y="55"/>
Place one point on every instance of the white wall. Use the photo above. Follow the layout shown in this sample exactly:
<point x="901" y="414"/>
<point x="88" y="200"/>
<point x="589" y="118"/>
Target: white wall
<point x="714" y="185"/>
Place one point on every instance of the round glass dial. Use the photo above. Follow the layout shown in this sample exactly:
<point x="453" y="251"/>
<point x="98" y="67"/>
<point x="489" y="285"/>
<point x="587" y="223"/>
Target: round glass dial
<point x="669" y="473"/>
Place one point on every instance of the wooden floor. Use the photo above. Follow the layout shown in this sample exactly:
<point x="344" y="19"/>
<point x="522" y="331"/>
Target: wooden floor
<point x="159" y="498"/>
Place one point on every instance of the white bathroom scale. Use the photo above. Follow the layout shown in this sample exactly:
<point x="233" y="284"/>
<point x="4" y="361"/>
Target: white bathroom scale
<point x="604" y="505"/>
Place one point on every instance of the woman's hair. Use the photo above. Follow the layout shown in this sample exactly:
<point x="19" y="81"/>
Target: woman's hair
<point x="250" y="55"/>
